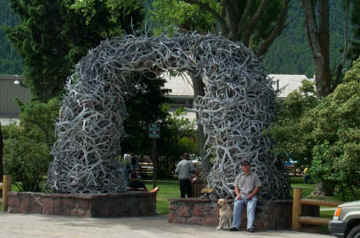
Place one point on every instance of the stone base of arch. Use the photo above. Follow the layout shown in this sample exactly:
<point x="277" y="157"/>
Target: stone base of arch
<point x="127" y="204"/>
<point x="274" y="215"/>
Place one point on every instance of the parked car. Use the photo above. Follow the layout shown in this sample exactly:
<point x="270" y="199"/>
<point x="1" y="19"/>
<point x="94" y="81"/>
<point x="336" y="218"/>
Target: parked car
<point x="346" y="220"/>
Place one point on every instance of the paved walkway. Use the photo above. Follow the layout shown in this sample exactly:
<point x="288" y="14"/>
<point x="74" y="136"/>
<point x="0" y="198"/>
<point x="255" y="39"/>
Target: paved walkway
<point x="39" y="226"/>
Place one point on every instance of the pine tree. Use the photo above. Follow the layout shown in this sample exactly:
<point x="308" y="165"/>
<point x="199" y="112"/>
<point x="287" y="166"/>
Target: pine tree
<point x="53" y="36"/>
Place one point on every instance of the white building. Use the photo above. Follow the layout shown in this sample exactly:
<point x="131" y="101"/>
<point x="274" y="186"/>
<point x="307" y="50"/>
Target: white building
<point x="9" y="93"/>
<point x="287" y="83"/>
<point x="182" y="92"/>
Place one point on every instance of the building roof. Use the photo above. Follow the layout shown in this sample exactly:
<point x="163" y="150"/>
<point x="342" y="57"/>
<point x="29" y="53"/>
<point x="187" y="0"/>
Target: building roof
<point x="181" y="85"/>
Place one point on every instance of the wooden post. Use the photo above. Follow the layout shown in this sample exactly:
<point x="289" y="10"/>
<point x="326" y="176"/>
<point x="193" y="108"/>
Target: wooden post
<point x="155" y="160"/>
<point x="154" y="134"/>
<point x="296" y="208"/>
<point x="5" y="189"/>
<point x="154" y="191"/>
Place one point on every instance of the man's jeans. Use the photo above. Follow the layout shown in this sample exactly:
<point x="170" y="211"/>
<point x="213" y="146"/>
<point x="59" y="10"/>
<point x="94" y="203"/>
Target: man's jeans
<point x="250" y="205"/>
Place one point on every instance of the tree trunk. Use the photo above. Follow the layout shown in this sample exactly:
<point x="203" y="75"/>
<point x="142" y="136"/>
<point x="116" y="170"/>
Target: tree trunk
<point x="1" y="154"/>
<point x="347" y="8"/>
<point x="324" y="38"/>
<point x="318" y="37"/>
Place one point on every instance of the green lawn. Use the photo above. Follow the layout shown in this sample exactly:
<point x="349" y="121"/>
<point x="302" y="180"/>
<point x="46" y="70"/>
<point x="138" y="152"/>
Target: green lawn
<point x="168" y="189"/>
<point x="298" y="182"/>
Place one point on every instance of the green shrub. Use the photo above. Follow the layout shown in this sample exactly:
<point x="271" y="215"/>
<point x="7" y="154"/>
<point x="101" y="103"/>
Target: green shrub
<point x="27" y="146"/>
<point x="27" y="161"/>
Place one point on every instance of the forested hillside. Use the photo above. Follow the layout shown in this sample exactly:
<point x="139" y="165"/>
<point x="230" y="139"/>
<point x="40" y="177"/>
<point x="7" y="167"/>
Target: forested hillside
<point x="290" y="53"/>
<point x="10" y="61"/>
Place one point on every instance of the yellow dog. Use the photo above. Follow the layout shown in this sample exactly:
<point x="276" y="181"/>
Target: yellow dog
<point x="225" y="214"/>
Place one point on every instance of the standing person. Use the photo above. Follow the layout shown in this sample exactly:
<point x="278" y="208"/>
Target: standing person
<point x="246" y="187"/>
<point x="133" y="161"/>
<point x="184" y="170"/>
<point x="307" y="177"/>
<point x="127" y="166"/>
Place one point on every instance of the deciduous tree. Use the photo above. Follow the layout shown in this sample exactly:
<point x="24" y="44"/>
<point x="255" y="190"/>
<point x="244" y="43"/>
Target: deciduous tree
<point x="255" y="23"/>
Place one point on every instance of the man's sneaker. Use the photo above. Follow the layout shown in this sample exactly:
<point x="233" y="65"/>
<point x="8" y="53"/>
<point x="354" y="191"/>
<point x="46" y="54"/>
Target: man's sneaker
<point x="234" y="229"/>
<point x="251" y="229"/>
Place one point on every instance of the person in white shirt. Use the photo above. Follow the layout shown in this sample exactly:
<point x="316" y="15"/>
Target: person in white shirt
<point x="185" y="170"/>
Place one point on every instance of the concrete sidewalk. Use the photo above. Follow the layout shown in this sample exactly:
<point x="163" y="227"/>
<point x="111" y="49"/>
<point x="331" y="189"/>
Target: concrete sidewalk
<point x="39" y="226"/>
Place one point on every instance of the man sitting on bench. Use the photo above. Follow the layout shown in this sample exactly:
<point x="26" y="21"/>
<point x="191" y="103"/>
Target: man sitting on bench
<point x="246" y="185"/>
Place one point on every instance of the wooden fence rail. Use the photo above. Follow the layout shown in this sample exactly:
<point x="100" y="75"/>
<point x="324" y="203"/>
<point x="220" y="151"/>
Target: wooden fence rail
<point x="297" y="219"/>
<point x="5" y="187"/>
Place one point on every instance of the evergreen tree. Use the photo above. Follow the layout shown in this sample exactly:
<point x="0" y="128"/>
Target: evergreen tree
<point x="52" y="37"/>
<point x="144" y="108"/>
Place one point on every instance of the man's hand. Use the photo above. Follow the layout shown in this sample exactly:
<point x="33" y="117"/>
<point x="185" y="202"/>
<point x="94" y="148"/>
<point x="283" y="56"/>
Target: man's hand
<point x="251" y="195"/>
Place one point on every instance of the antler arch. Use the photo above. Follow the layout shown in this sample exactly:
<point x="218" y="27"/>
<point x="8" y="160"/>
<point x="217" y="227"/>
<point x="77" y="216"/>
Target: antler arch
<point x="237" y="106"/>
